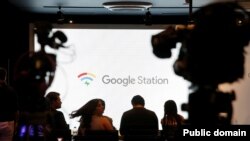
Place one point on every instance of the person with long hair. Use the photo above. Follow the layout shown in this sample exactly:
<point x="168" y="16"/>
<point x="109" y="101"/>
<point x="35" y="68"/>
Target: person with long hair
<point x="92" y="117"/>
<point x="171" y="120"/>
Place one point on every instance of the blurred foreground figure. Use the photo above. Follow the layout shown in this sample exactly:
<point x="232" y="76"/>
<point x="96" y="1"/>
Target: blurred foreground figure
<point x="212" y="53"/>
<point x="8" y="110"/>
<point x="34" y="73"/>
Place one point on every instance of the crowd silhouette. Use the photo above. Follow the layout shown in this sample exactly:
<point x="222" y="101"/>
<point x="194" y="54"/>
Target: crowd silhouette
<point x="212" y="53"/>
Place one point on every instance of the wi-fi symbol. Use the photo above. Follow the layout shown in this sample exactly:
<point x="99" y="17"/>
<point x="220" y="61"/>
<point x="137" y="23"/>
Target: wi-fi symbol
<point x="87" y="78"/>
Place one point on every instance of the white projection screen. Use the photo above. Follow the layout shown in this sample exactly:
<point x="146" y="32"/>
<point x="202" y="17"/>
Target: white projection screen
<point x="114" y="63"/>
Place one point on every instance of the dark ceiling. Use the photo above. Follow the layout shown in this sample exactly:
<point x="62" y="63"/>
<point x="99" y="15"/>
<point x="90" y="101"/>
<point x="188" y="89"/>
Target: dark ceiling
<point x="95" y="11"/>
<point x="96" y="7"/>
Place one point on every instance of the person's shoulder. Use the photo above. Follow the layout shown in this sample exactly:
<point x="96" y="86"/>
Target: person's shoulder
<point x="55" y="113"/>
<point x="128" y="111"/>
<point x="150" y="111"/>
<point x="181" y="119"/>
<point x="59" y="113"/>
<point x="107" y="117"/>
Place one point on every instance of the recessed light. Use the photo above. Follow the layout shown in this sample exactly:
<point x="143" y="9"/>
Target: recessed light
<point x="127" y="5"/>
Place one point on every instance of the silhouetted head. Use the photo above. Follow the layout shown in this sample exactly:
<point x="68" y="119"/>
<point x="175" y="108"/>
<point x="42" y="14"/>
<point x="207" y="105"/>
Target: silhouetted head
<point x="170" y="108"/>
<point x="138" y="100"/>
<point x="89" y="109"/>
<point x="54" y="100"/>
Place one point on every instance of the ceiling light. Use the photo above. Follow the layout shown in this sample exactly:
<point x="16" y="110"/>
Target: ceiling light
<point x="60" y="15"/>
<point x="148" y="18"/>
<point x="127" y="5"/>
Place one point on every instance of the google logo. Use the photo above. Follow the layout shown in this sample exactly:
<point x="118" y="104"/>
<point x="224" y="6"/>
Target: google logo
<point x="86" y="78"/>
<point x="129" y="80"/>
<point x="106" y="79"/>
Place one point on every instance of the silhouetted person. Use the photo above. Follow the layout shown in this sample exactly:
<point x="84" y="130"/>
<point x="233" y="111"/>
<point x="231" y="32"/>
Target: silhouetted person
<point x="56" y="126"/>
<point x="92" y="117"/>
<point x="8" y="108"/>
<point x="171" y="121"/>
<point x="138" y="120"/>
<point x="33" y="75"/>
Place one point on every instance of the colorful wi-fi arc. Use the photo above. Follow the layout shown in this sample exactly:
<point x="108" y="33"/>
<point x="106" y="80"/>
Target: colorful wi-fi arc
<point x="86" y="77"/>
